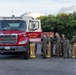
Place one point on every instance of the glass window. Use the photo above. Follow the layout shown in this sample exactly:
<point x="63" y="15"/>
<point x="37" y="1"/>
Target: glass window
<point x="13" y="25"/>
<point x="34" y="25"/>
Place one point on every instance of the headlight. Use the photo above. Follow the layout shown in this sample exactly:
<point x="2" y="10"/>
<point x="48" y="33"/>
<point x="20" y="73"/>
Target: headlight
<point x="23" y="42"/>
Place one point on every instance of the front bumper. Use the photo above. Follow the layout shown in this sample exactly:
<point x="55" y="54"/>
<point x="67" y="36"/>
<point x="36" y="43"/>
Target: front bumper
<point x="13" y="48"/>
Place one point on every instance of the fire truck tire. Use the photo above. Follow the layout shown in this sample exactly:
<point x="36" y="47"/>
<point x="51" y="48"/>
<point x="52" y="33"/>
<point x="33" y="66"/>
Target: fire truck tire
<point x="26" y="55"/>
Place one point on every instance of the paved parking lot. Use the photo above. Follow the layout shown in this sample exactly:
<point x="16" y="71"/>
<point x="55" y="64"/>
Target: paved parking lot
<point x="15" y="65"/>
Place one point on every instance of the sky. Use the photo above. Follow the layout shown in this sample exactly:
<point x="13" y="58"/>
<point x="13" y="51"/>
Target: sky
<point x="45" y="7"/>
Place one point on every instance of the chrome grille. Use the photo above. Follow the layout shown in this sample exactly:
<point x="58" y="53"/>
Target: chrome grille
<point x="8" y="39"/>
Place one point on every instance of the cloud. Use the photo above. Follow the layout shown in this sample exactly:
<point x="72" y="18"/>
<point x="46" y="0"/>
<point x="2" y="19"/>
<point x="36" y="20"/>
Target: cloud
<point x="41" y="6"/>
<point x="64" y="9"/>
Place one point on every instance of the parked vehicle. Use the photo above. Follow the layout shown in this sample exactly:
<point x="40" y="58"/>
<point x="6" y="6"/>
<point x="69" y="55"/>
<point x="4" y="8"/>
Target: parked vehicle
<point x="16" y="33"/>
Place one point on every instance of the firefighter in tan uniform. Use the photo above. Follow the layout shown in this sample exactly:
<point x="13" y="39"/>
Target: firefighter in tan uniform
<point x="32" y="50"/>
<point x="48" y="46"/>
<point x="73" y="46"/>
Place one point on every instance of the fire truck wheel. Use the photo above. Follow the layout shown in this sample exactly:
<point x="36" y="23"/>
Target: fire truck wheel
<point x="26" y="55"/>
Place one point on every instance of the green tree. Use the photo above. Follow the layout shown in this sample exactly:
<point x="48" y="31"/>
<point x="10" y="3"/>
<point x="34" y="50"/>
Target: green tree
<point x="62" y="23"/>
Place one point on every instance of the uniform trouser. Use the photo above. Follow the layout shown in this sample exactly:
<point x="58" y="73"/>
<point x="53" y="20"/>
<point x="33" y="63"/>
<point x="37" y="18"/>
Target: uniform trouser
<point x="64" y="52"/>
<point x="62" y="49"/>
<point x="32" y="50"/>
<point x="44" y="48"/>
<point x="49" y="49"/>
<point x="35" y="46"/>
<point x="67" y="52"/>
<point x="74" y="49"/>
<point x="57" y="49"/>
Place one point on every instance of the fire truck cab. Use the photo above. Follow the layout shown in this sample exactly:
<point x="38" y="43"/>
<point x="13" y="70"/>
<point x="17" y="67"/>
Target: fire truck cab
<point x="16" y="33"/>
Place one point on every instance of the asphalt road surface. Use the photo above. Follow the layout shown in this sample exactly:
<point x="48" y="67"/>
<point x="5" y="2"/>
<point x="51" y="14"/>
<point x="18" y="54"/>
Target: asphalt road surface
<point x="15" y="65"/>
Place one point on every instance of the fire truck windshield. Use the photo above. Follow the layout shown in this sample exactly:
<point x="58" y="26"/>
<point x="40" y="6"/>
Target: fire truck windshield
<point x="13" y="25"/>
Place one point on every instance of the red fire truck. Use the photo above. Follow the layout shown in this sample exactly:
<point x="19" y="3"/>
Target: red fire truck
<point x="16" y="33"/>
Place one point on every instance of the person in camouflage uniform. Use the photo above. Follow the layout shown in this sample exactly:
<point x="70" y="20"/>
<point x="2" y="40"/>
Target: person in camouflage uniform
<point x="44" y="45"/>
<point x="67" y="51"/>
<point x="51" y="45"/>
<point x="63" y="41"/>
<point x="58" y="41"/>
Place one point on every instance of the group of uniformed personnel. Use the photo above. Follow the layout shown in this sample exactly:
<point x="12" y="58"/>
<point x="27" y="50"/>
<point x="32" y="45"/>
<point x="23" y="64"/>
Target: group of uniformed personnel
<point x="63" y="46"/>
<point x="47" y="46"/>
